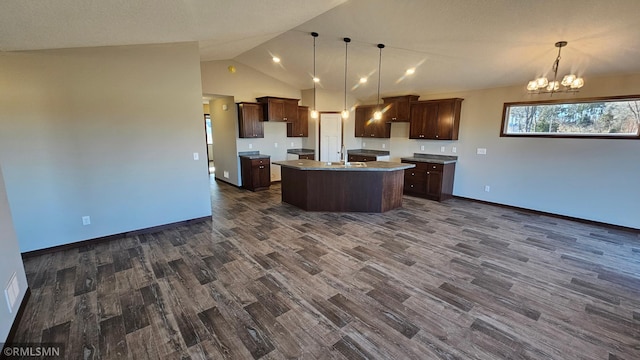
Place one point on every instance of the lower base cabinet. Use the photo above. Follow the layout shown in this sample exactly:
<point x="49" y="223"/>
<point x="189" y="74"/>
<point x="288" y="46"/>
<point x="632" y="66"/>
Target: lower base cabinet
<point x="429" y="180"/>
<point x="256" y="173"/>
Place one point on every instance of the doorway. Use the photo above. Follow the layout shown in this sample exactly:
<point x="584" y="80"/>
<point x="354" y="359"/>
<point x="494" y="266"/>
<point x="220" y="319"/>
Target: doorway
<point x="209" y="136"/>
<point x="330" y="133"/>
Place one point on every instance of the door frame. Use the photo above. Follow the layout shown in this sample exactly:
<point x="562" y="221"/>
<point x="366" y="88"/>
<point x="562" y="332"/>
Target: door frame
<point x="320" y="130"/>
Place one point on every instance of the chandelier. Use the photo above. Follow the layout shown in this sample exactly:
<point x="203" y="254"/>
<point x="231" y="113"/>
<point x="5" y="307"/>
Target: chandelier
<point x="569" y="83"/>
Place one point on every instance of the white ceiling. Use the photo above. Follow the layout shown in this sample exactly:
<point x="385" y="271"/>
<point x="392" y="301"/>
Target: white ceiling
<point x="455" y="44"/>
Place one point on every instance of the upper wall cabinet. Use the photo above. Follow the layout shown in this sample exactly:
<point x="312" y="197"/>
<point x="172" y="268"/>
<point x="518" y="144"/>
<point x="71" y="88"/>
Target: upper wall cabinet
<point x="435" y="119"/>
<point x="279" y="109"/>
<point x="250" y="120"/>
<point x="366" y="126"/>
<point x="299" y="127"/>
<point x="398" y="108"/>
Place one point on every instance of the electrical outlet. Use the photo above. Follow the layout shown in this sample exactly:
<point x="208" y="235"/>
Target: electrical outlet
<point x="250" y="146"/>
<point x="292" y="144"/>
<point x="421" y="147"/>
<point x="442" y="148"/>
<point x="454" y="150"/>
<point x="225" y="174"/>
<point x="481" y="151"/>
<point x="487" y="188"/>
<point x="384" y="146"/>
<point x="275" y="145"/>
<point x="364" y="144"/>
<point x="86" y="220"/>
<point x="196" y="156"/>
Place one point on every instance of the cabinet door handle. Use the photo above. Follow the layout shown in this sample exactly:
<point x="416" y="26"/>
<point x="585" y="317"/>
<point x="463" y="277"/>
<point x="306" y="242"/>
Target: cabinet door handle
<point x="262" y="167"/>
<point x="427" y="173"/>
<point x="411" y="185"/>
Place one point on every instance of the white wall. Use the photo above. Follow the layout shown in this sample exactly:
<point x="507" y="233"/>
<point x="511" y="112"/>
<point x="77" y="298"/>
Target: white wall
<point x="10" y="263"/>
<point x="224" y="129"/>
<point x="593" y="179"/>
<point x="106" y="132"/>
<point x="331" y="101"/>
<point x="247" y="84"/>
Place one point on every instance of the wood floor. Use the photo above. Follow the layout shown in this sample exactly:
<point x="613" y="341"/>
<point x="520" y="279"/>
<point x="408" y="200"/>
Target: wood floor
<point x="262" y="279"/>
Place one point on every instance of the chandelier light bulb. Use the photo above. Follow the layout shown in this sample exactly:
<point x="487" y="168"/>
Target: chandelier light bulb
<point x="363" y="80"/>
<point x="567" y="80"/>
<point x="314" y="114"/>
<point x="542" y="82"/>
<point x="377" y="115"/>
<point x="316" y="80"/>
<point x="532" y="85"/>
<point x="577" y="83"/>
<point x="276" y="59"/>
<point x="410" y="71"/>
<point x="345" y="114"/>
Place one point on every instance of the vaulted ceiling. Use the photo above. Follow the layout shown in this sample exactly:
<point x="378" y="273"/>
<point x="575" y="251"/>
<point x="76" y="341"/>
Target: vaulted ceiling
<point x="453" y="44"/>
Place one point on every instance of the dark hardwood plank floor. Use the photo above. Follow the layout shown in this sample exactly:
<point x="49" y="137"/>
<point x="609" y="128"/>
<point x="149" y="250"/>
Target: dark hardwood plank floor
<point x="262" y="279"/>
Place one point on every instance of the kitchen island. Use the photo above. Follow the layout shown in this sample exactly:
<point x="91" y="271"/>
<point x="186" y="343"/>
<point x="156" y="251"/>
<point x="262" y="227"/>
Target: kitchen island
<point x="374" y="186"/>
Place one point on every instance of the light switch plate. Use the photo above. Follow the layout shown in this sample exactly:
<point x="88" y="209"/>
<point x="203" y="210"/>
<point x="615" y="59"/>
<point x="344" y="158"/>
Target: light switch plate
<point x="481" y="151"/>
<point x="250" y="146"/>
<point x="442" y="148"/>
<point x="196" y="156"/>
<point x="454" y="150"/>
<point x="421" y="147"/>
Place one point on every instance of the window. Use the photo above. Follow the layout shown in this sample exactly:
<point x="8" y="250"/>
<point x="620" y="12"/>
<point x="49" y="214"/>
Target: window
<point x="610" y="118"/>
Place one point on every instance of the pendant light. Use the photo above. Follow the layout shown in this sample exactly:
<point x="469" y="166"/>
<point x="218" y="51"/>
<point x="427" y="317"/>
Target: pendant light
<point x="378" y="114"/>
<point x="314" y="112"/>
<point x="345" y="112"/>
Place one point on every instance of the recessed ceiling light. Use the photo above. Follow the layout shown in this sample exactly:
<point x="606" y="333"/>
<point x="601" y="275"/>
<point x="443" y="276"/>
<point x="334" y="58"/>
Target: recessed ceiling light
<point x="276" y="59"/>
<point x="363" y="80"/>
<point x="315" y="79"/>
<point x="411" y="71"/>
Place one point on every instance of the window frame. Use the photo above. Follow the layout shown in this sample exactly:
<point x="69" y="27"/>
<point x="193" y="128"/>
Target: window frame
<point x="507" y="105"/>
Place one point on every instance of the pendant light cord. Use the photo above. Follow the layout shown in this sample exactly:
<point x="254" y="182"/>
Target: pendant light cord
<point x="346" y="52"/>
<point x="380" y="46"/>
<point x="315" y="35"/>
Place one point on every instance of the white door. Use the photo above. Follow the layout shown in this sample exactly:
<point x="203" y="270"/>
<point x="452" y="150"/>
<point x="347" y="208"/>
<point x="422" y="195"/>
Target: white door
<point x="330" y="137"/>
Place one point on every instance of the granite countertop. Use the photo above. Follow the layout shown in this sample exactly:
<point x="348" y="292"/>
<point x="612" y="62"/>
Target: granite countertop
<point x="432" y="158"/>
<point x="301" y="151"/>
<point x="253" y="155"/>
<point x="366" y="152"/>
<point x="304" y="164"/>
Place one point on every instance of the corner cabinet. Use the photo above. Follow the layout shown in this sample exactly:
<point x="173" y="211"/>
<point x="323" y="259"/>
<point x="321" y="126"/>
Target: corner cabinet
<point x="256" y="173"/>
<point x="435" y="119"/>
<point x="398" y="108"/>
<point x="429" y="180"/>
<point x="279" y="109"/>
<point x="250" y="120"/>
<point x="366" y="126"/>
<point x="299" y="127"/>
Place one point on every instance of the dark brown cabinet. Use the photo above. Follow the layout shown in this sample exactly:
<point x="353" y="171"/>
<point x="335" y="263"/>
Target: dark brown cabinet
<point x="398" y="108"/>
<point x="367" y="126"/>
<point x="361" y="158"/>
<point x="435" y="119"/>
<point x="429" y="180"/>
<point x="279" y="109"/>
<point x="308" y="157"/>
<point x="250" y="120"/>
<point x="256" y="173"/>
<point x="300" y="126"/>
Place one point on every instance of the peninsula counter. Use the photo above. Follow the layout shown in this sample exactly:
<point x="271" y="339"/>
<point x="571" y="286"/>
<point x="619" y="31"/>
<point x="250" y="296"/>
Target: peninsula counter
<point x="374" y="186"/>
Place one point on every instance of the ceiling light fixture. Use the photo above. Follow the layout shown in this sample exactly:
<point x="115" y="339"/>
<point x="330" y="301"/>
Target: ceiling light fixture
<point x="314" y="112"/>
<point x="275" y="59"/>
<point x="410" y="71"/>
<point x="363" y="80"/>
<point x="378" y="114"/>
<point x="345" y="112"/>
<point x="569" y="83"/>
